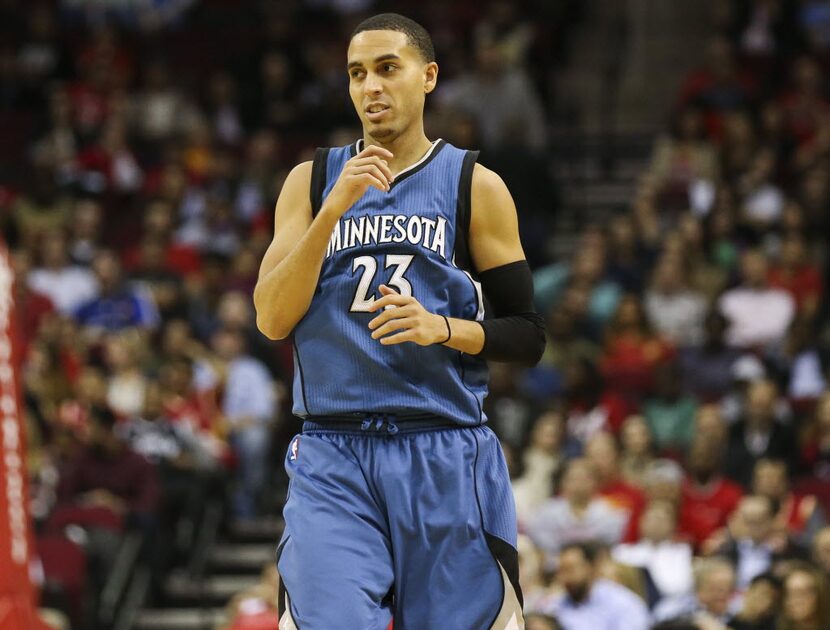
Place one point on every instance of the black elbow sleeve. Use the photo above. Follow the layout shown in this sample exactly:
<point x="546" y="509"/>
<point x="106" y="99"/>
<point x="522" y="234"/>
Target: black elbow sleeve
<point x="516" y="332"/>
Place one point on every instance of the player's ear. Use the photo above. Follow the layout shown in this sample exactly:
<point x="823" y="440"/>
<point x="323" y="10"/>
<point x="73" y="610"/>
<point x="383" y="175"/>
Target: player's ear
<point x="430" y="76"/>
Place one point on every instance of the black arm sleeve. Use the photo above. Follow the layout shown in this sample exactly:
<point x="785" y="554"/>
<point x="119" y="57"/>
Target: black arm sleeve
<point x="516" y="333"/>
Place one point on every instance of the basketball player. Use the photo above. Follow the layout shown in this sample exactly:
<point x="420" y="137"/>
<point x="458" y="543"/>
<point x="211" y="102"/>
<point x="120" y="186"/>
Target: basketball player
<point x="399" y="501"/>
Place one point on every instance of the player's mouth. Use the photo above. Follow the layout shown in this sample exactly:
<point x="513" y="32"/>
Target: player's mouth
<point x="376" y="111"/>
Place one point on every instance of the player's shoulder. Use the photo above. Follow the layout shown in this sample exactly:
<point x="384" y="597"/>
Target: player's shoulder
<point x="301" y="171"/>
<point x="486" y="181"/>
<point x="297" y="184"/>
<point x="488" y="188"/>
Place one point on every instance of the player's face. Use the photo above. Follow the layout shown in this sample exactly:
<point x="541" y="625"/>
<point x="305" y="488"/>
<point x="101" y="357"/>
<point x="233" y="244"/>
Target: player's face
<point x="388" y="80"/>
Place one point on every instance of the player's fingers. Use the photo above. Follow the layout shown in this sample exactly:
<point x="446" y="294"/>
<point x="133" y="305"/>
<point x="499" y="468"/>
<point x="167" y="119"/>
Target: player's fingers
<point x="392" y="326"/>
<point x="373" y="170"/>
<point x="401" y="337"/>
<point x="390" y="313"/>
<point x="382" y="164"/>
<point x="395" y="299"/>
<point x="373" y="180"/>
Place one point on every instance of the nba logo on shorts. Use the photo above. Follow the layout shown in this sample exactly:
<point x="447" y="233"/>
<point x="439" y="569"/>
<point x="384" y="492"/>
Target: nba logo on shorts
<point x="295" y="447"/>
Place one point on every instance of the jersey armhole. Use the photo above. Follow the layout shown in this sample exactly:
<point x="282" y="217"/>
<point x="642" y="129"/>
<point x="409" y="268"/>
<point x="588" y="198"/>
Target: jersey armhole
<point x="463" y="260"/>
<point x="318" y="179"/>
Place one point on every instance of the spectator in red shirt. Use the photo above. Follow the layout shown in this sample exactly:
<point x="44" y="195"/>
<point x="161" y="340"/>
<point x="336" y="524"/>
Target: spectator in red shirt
<point x="30" y="307"/>
<point x="603" y="455"/>
<point x="706" y="493"/>
<point x="633" y="351"/>
<point x="797" y="275"/>
<point x="804" y="105"/>
<point x="158" y="227"/>
<point x="718" y="86"/>
<point x="796" y="513"/>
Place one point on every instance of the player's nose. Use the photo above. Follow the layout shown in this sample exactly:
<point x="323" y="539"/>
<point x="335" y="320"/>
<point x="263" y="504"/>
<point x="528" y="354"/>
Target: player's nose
<point x="372" y="86"/>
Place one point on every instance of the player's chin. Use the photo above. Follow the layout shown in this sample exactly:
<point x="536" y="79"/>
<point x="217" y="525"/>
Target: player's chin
<point x="381" y="133"/>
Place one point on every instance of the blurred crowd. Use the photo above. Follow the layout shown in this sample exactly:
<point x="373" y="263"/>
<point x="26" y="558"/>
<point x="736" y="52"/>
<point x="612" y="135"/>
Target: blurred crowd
<point x="670" y="455"/>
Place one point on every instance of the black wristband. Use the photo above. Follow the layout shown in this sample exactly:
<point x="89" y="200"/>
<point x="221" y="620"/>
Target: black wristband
<point x="449" y="331"/>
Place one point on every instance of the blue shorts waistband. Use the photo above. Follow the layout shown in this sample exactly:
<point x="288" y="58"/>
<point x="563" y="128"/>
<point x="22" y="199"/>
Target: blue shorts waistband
<point x="378" y="424"/>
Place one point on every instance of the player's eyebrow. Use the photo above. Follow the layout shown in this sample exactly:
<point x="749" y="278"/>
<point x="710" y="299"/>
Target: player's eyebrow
<point x="386" y="57"/>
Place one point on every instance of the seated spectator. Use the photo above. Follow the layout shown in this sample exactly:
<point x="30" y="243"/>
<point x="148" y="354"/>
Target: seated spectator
<point x="531" y="579"/>
<point x="633" y="352"/>
<point x="667" y="561"/>
<point x="797" y="514"/>
<point x="591" y="407"/>
<point x="194" y="413"/>
<point x="669" y="412"/>
<point x="706" y="493"/>
<point x="712" y="600"/>
<point x="758" y="434"/>
<point x="590" y="601"/>
<point x="628" y="257"/>
<point x="707" y="369"/>
<point x="127" y="382"/>
<point x="106" y="489"/>
<point x="684" y="157"/>
<point x="797" y="275"/>
<point x="802" y="363"/>
<point x="564" y="345"/>
<point x="758" y="314"/>
<point x="761" y="601"/>
<point x="109" y="474"/>
<point x="718" y="86"/>
<point x="805" y="601"/>
<point x="821" y="551"/>
<point x="602" y="453"/>
<point x="30" y="306"/>
<point x="68" y="286"/>
<point x="753" y="544"/>
<point x="587" y="270"/>
<point x="637" y="450"/>
<point x="709" y="424"/>
<point x="249" y="407"/>
<point x="676" y="311"/>
<point x="117" y="305"/>
<point x="815" y="441"/>
<point x="543" y="457"/>
<point x="578" y="514"/>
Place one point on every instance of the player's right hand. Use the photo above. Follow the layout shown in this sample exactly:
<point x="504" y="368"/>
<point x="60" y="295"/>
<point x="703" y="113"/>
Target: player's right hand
<point x="368" y="168"/>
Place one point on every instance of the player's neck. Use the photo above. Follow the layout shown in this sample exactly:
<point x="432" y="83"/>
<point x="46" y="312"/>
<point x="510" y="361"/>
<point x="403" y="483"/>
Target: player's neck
<point x="407" y="148"/>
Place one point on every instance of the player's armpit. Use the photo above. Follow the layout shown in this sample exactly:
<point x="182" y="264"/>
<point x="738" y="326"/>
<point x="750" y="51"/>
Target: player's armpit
<point x="494" y="226"/>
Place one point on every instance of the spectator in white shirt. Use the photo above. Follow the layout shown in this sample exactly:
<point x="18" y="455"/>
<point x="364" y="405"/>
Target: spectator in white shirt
<point x="668" y="562"/>
<point x="590" y="601"/>
<point x="676" y="311"/>
<point x="578" y="515"/>
<point x="713" y="599"/>
<point x="67" y="285"/>
<point x="759" y="315"/>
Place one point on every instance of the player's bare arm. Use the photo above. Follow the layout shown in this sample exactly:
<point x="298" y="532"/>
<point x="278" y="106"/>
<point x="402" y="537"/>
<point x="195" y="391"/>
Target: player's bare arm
<point x="494" y="241"/>
<point x="290" y="268"/>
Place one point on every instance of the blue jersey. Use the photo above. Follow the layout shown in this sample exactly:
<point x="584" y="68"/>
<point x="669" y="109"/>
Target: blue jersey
<point x="414" y="239"/>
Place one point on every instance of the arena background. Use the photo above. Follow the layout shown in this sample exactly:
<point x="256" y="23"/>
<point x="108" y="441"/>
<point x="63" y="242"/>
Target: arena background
<point x="669" y="161"/>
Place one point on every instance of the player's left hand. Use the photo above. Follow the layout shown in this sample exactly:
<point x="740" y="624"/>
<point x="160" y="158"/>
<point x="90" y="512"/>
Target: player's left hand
<point x="416" y="323"/>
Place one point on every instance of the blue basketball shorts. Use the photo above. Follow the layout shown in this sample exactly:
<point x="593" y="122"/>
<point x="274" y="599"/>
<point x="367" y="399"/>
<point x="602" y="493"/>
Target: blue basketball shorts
<point x="413" y="524"/>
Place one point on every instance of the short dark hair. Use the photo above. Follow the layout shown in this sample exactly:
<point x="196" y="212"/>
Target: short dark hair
<point x="415" y="33"/>
<point x="589" y="550"/>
